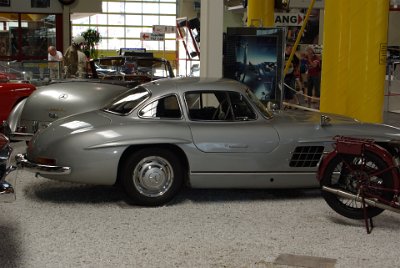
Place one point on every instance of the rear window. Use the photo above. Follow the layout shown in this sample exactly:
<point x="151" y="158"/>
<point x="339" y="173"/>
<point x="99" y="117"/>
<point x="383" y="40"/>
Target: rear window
<point x="127" y="102"/>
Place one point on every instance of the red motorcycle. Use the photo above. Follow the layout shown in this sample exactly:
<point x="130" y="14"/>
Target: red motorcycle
<point x="360" y="179"/>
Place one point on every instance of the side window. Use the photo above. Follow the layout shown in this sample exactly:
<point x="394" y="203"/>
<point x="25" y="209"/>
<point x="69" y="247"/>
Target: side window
<point x="241" y="109"/>
<point x="218" y="106"/>
<point x="166" y="107"/>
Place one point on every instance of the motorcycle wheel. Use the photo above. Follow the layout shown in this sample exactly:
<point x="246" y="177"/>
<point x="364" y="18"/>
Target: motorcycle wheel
<point x="347" y="173"/>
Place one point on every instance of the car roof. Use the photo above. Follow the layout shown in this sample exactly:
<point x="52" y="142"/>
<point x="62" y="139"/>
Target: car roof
<point x="183" y="84"/>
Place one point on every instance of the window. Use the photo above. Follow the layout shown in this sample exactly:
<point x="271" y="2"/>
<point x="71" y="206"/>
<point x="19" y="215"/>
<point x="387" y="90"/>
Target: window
<point x="128" y="101"/>
<point x="219" y="106"/>
<point x="122" y="21"/>
<point x="26" y="36"/>
<point x="167" y="107"/>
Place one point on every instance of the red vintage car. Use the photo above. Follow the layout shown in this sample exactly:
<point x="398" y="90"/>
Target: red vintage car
<point x="11" y="93"/>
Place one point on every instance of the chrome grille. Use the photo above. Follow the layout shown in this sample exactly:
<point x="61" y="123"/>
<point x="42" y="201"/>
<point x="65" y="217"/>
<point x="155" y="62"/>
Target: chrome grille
<point x="306" y="156"/>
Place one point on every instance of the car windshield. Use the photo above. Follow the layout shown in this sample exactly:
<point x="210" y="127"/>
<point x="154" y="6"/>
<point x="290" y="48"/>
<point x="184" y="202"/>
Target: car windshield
<point x="261" y="107"/>
<point x="150" y="67"/>
<point x="125" y="103"/>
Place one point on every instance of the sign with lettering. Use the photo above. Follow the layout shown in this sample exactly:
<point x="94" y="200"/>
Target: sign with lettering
<point x="164" y="29"/>
<point x="152" y="36"/>
<point x="289" y="19"/>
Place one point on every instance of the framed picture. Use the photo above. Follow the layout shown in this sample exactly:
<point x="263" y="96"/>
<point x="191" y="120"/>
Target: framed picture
<point x="40" y="3"/>
<point x="4" y="3"/>
<point x="254" y="56"/>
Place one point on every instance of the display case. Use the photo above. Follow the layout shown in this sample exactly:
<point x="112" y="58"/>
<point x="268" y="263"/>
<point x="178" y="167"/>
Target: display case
<point x="35" y="71"/>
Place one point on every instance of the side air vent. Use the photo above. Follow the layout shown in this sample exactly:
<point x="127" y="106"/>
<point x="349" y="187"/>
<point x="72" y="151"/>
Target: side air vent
<point x="306" y="156"/>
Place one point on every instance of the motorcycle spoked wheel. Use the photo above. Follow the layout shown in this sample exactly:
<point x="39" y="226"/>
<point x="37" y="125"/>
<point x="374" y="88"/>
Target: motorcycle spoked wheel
<point x="347" y="173"/>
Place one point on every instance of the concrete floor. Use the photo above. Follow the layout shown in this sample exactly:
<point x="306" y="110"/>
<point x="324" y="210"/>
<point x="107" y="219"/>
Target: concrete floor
<point x="54" y="224"/>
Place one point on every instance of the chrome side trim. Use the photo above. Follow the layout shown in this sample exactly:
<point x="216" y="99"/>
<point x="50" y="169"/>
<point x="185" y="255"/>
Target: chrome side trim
<point x="23" y="162"/>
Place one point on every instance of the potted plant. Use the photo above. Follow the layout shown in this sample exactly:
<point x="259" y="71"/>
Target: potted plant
<point x="92" y="38"/>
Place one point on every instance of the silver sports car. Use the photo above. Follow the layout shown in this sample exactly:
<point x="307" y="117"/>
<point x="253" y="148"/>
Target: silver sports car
<point x="187" y="131"/>
<point x="67" y="97"/>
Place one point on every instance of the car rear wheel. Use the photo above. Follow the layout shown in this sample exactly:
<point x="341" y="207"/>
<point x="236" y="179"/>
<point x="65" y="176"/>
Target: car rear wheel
<point x="152" y="176"/>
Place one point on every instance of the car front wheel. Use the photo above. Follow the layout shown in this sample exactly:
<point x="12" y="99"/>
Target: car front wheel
<point x="152" y="176"/>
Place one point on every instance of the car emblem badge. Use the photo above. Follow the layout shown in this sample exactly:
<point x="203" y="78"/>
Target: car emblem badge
<point x="63" y="96"/>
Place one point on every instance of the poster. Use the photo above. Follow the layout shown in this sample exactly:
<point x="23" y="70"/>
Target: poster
<point x="254" y="56"/>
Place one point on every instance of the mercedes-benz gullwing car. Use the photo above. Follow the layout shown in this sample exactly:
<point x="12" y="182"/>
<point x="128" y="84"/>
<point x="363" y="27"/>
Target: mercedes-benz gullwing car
<point x="7" y="193"/>
<point x="185" y="131"/>
<point x="58" y="100"/>
<point x="71" y="96"/>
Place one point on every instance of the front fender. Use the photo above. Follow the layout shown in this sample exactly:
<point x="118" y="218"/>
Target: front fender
<point x="15" y="115"/>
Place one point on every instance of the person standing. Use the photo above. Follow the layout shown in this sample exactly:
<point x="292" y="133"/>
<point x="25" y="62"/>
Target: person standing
<point x="55" y="59"/>
<point x="71" y="57"/>
<point x="54" y="54"/>
<point x="314" y="74"/>
<point x="82" y="64"/>
<point x="290" y="77"/>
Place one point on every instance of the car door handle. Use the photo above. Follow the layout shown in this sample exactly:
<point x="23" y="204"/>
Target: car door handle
<point x="238" y="146"/>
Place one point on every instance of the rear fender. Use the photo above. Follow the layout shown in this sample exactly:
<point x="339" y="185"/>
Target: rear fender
<point x="367" y="146"/>
<point x="15" y="115"/>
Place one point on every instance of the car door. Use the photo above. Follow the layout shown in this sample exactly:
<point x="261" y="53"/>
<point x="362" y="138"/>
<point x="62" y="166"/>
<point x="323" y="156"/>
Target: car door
<point x="224" y="122"/>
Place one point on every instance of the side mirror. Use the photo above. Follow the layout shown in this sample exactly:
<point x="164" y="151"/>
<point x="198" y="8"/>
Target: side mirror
<point x="325" y="120"/>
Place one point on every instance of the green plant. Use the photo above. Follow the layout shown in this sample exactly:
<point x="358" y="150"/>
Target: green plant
<point x="92" y="38"/>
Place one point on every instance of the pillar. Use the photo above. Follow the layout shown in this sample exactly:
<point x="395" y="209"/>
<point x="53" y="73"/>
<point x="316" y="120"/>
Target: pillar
<point x="260" y="11"/>
<point x="354" y="58"/>
<point x="211" y="32"/>
<point x="66" y="27"/>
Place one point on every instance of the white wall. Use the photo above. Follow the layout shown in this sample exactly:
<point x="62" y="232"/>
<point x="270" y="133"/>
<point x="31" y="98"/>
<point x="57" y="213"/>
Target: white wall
<point x="80" y="6"/>
<point x="86" y="6"/>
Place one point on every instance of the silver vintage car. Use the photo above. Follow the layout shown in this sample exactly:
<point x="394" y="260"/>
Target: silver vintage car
<point x="196" y="132"/>
<point x="65" y="97"/>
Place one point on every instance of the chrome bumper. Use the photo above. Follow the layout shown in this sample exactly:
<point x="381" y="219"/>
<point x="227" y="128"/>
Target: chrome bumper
<point x="39" y="169"/>
<point x="7" y="193"/>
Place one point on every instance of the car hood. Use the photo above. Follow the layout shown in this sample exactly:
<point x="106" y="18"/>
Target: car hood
<point x="290" y="117"/>
<point x="316" y="127"/>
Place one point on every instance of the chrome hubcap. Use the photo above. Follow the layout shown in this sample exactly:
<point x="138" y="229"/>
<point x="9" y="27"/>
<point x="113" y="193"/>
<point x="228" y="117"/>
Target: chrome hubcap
<point x="153" y="176"/>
